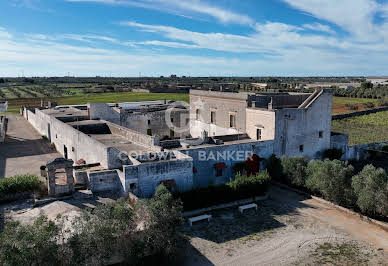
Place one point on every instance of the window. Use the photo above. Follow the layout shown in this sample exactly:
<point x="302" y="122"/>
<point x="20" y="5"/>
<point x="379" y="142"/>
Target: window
<point x="232" y="120"/>
<point x="301" y="148"/>
<point x="258" y="134"/>
<point x="187" y="121"/>
<point x="149" y="122"/>
<point x="219" y="167"/>
<point x="132" y="186"/>
<point x="320" y="134"/>
<point x="149" y="132"/>
<point x="172" y="133"/>
<point x="197" y="114"/>
<point x="72" y="149"/>
<point x="172" y="120"/>
<point x="219" y="171"/>
<point x="213" y="117"/>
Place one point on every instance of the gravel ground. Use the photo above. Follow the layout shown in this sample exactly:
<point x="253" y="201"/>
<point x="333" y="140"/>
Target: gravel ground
<point x="287" y="229"/>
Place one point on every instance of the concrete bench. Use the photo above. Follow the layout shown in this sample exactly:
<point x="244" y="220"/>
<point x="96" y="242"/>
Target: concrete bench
<point x="199" y="218"/>
<point x="248" y="206"/>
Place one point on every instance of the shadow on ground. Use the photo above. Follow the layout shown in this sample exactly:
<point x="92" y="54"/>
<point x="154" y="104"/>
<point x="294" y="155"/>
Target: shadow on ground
<point x="18" y="147"/>
<point x="229" y="224"/>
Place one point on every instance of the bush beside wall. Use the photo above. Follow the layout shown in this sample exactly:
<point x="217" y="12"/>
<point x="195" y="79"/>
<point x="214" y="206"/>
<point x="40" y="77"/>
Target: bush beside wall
<point x="19" y="184"/>
<point x="336" y="181"/>
<point x="242" y="187"/>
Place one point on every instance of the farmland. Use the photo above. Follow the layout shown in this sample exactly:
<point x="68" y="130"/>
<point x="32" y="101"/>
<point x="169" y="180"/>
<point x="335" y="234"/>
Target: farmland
<point x="364" y="129"/>
<point x="340" y="104"/>
<point x="14" y="104"/>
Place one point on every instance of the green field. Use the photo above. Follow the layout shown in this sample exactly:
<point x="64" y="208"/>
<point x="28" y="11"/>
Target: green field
<point x="14" y="104"/>
<point x="364" y="129"/>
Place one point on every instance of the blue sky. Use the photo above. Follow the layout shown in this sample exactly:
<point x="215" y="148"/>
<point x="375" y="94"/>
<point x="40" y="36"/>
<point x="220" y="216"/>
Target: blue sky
<point x="194" y="37"/>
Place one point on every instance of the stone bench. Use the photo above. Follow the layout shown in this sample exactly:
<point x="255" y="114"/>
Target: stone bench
<point x="248" y="206"/>
<point x="199" y="218"/>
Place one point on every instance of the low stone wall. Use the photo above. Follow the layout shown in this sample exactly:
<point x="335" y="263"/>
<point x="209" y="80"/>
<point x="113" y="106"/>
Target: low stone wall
<point x="224" y="206"/>
<point x="359" y="113"/>
<point x="106" y="180"/>
<point x="133" y="136"/>
<point x="357" y="152"/>
<point x="16" y="196"/>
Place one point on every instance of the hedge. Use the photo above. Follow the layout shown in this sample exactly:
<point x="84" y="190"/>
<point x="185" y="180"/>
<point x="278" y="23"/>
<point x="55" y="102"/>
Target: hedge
<point x="242" y="187"/>
<point x="18" y="184"/>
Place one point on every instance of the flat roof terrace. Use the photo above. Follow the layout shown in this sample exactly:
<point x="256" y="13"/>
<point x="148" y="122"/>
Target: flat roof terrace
<point x="120" y="143"/>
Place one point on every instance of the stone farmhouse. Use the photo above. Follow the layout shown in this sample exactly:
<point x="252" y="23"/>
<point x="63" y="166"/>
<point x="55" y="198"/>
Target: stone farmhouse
<point x="134" y="147"/>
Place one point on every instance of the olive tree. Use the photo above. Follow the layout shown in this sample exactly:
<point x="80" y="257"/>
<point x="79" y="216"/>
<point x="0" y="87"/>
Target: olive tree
<point x="371" y="189"/>
<point x="332" y="179"/>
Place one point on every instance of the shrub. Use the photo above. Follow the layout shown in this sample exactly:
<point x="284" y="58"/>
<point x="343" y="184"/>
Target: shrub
<point x="350" y="106"/>
<point x="333" y="154"/>
<point x="294" y="170"/>
<point x="332" y="179"/>
<point x="21" y="183"/>
<point x="35" y="244"/>
<point x="371" y="189"/>
<point x="241" y="187"/>
<point x="274" y="167"/>
<point x="369" y="105"/>
<point x="383" y="101"/>
<point x="96" y="236"/>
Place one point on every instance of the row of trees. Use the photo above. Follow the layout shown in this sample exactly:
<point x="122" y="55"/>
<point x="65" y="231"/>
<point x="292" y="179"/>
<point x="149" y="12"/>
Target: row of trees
<point x="366" y="90"/>
<point x="107" y="234"/>
<point x="336" y="181"/>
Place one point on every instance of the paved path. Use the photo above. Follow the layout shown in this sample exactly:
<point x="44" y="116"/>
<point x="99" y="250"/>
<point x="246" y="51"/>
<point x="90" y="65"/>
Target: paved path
<point x="24" y="150"/>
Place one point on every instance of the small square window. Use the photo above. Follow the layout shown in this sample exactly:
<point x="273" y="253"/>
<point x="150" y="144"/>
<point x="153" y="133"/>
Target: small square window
<point x="132" y="186"/>
<point x="301" y="148"/>
<point x="320" y="134"/>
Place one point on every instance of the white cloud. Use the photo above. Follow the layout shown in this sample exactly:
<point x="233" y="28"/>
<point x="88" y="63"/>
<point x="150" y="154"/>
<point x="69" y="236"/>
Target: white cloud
<point x="181" y="7"/>
<point x="318" y="27"/>
<point x="354" y="16"/>
<point x="4" y="34"/>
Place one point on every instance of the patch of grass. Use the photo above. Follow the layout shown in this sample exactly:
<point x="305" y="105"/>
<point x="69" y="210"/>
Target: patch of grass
<point x="364" y="129"/>
<point x="347" y="253"/>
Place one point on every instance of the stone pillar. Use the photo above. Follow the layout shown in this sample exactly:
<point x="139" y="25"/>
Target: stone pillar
<point x="51" y="181"/>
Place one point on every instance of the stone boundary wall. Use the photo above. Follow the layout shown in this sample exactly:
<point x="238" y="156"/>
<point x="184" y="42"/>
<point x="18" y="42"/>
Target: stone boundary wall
<point x="359" y="113"/>
<point x="79" y="145"/>
<point x="357" y="152"/>
<point x="16" y="196"/>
